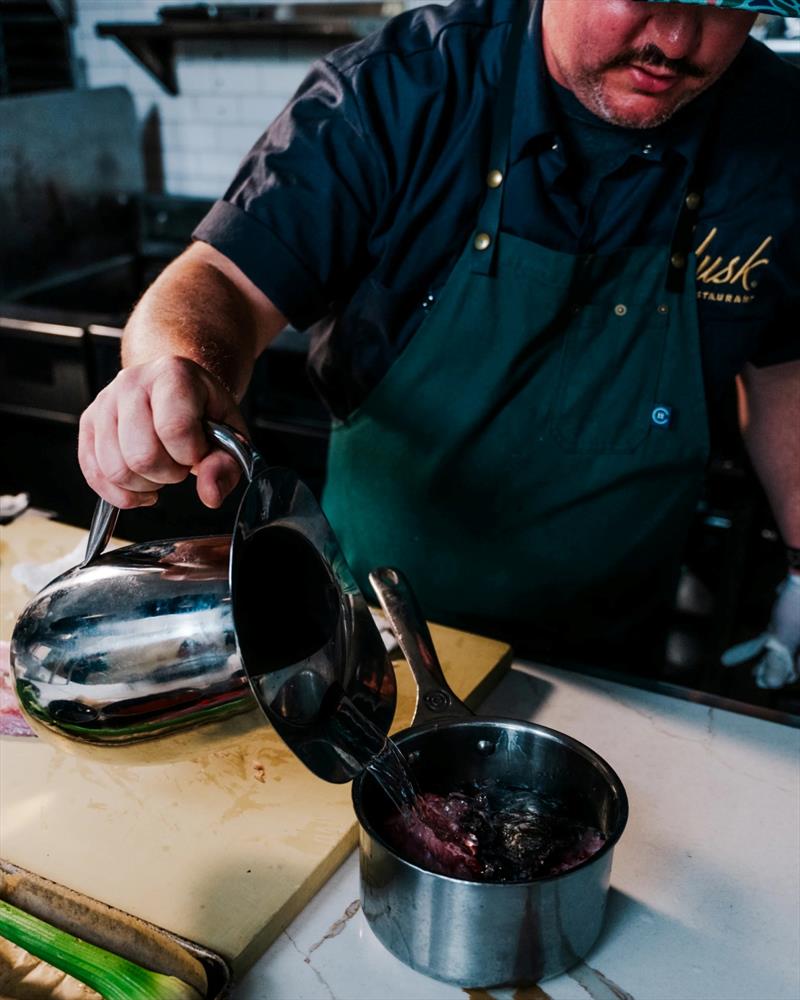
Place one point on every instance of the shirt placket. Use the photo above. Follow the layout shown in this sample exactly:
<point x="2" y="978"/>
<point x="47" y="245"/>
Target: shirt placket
<point x="553" y="165"/>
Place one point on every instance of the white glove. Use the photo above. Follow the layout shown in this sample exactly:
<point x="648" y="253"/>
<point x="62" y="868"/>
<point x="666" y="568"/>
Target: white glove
<point x="778" y="648"/>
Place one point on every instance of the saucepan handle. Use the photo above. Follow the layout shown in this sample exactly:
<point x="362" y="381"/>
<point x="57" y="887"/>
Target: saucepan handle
<point x="435" y="700"/>
<point x="104" y="519"/>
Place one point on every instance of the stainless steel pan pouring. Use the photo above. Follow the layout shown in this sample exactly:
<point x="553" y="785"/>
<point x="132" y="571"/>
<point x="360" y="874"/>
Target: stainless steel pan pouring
<point x="166" y="649"/>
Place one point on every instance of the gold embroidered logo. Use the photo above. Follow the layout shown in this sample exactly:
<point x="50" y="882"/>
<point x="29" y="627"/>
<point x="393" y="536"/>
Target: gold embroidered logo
<point x="734" y="273"/>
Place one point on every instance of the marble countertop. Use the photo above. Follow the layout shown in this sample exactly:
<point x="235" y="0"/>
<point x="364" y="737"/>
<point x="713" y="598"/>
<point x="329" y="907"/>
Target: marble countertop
<point x="705" y="890"/>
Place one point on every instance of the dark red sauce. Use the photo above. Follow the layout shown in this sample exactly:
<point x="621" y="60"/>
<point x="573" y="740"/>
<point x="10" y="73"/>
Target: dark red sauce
<point x="496" y="835"/>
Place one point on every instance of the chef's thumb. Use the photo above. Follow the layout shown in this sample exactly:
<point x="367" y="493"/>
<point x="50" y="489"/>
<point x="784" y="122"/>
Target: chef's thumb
<point x="219" y="472"/>
<point x="217" y="475"/>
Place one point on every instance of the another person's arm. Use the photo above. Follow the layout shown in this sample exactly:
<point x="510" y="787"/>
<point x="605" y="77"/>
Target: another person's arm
<point x="769" y="410"/>
<point x="188" y="352"/>
<point x="769" y="413"/>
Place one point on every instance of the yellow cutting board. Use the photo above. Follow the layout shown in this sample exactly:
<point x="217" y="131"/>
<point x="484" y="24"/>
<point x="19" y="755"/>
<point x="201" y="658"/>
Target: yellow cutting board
<point x="224" y="850"/>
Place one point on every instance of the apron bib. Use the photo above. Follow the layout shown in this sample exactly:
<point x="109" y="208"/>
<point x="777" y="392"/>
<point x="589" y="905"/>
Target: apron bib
<point x="533" y="458"/>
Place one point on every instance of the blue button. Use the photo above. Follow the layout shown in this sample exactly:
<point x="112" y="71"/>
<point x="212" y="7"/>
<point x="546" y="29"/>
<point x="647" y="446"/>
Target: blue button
<point x="661" y="416"/>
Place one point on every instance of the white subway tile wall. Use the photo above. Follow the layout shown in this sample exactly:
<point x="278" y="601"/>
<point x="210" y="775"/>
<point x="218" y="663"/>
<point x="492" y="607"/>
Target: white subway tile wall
<point x="229" y="91"/>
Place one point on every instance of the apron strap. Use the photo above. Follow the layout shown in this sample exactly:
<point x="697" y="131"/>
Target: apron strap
<point x="484" y="241"/>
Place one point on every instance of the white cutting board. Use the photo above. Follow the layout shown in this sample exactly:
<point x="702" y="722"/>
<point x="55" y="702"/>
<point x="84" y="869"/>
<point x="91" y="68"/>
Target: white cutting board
<point x="224" y="850"/>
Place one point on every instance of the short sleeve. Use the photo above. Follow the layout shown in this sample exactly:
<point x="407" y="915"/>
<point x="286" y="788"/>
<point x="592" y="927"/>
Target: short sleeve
<point x="297" y="217"/>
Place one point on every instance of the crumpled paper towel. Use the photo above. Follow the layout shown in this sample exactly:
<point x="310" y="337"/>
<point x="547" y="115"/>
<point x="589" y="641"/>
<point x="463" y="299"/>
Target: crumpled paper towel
<point x="12" y="505"/>
<point x="35" y="575"/>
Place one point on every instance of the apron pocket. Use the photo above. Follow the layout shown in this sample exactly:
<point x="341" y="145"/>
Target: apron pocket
<point x="609" y="374"/>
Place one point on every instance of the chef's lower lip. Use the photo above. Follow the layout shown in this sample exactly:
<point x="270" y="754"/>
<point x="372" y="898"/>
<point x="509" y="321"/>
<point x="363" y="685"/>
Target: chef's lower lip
<point x="650" y="82"/>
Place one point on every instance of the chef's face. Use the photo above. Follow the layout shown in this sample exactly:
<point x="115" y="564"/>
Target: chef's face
<point x="635" y="63"/>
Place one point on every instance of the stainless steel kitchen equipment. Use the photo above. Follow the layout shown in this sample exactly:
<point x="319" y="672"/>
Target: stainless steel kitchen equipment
<point x="163" y="649"/>
<point x="477" y="934"/>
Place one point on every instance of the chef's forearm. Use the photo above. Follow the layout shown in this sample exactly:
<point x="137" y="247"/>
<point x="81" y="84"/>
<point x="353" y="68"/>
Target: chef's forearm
<point x="201" y="308"/>
<point x="769" y="413"/>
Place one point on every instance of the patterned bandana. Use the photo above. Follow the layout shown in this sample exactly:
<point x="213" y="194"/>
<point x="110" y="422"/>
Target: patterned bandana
<point x="786" y="8"/>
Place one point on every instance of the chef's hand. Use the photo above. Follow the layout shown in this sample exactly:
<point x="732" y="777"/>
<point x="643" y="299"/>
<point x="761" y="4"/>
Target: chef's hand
<point x="145" y="430"/>
<point x="777" y="649"/>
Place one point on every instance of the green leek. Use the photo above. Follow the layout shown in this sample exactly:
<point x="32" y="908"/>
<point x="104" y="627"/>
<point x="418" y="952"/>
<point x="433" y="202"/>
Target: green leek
<point x="111" y="976"/>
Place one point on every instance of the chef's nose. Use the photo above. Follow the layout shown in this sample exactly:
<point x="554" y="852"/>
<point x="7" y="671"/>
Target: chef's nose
<point x="676" y="29"/>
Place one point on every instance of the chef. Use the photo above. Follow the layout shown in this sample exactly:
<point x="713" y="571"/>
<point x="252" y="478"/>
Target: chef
<point x="533" y="245"/>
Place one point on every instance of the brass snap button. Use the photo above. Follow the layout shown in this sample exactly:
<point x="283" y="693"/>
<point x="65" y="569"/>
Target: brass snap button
<point x="482" y="241"/>
<point x="678" y="260"/>
<point x="620" y="310"/>
<point x="663" y="308"/>
<point x="494" y="178"/>
<point x="693" y="201"/>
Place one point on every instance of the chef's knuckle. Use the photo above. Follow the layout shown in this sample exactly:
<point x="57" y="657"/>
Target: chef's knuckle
<point x="174" y="422"/>
<point x="92" y="419"/>
<point x="87" y="437"/>
<point x="179" y="428"/>
<point x="127" y="379"/>
<point x="143" y="460"/>
<point x="118" y="474"/>
<point x="86" y="458"/>
<point x="169" y="363"/>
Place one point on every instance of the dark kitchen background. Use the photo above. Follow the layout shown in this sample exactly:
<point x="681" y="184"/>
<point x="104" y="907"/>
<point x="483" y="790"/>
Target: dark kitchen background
<point x="120" y="122"/>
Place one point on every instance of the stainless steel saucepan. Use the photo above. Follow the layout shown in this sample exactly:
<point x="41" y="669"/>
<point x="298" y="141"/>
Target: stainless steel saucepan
<point x="165" y="649"/>
<point x="477" y="934"/>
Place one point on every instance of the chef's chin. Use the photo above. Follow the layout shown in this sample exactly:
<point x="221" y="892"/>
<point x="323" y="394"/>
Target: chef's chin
<point x="620" y="102"/>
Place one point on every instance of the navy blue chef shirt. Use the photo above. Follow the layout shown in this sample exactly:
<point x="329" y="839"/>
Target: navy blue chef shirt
<point x="351" y="209"/>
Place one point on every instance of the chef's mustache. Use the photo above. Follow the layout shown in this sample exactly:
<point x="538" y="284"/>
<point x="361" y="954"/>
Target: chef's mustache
<point x="651" y="55"/>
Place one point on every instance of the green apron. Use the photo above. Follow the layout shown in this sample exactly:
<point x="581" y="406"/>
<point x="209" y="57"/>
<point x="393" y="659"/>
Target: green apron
<point x="532" y="459"/>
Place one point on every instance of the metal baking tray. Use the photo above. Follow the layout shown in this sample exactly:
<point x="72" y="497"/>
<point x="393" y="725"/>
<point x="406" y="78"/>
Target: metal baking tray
<point x="116" y="931"/>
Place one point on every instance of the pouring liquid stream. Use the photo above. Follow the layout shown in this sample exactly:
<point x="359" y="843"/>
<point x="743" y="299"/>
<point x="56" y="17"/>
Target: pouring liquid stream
<point x="377" y="753"/>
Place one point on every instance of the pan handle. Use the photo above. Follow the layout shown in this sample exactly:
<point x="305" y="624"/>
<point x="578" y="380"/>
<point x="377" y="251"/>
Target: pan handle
<point x="435" y="700"/>
<point x="104" y="519"/>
